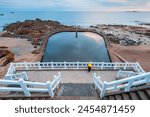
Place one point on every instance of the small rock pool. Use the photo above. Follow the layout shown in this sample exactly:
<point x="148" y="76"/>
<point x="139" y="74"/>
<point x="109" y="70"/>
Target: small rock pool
<point x="65" y="46"/>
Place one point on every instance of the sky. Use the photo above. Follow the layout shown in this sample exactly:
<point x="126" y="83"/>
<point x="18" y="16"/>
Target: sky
<point x="75" y="5"/>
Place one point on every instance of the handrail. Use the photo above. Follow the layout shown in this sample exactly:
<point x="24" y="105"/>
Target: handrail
<point x="98" y="83"/>
<point x="74" y="65"/>
<point x="124" y="74"/>
<point x="125" y="84"/>
<point x="11" y="69"/>
<point x="16" y="76"/>
<point x="27" y="87"/>
<point x="139" y="68"/>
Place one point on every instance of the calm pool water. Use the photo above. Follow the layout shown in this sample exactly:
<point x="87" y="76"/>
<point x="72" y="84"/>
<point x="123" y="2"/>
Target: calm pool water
<point x="66" y="47"/>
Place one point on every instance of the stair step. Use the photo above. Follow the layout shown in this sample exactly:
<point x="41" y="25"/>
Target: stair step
<point x="106" y="98"/>
<point x="77" y="89"/>
<point x="148" y="93"/>
<point x="76" y="98"/>
<point x="126" y="96"/>
<point x="118" y="97"/>
<point x="142" y="95"/>
<point x="134" y="96"/>
<point x="111" y="98"/>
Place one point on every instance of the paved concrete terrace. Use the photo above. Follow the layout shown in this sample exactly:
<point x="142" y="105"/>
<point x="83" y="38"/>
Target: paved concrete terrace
<point x="72" y="76"/>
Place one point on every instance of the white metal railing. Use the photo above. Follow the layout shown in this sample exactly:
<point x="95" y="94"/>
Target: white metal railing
<point x="75" y="65"/>
<point x="16" y="76"/>
<point x="98" y="83"/>
<point x="138" y="68"/>
<point x="11" y="69"/>
<point x="124" y="74"/>
<point x="28" y="87"/>
<point x="103" y="86"/>
<point x="125" y="84"/>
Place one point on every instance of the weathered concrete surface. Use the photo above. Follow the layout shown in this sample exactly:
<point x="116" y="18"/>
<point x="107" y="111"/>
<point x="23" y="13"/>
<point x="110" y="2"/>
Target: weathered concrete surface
<point x="70" y="76"/>
<point x="77" y="89"/>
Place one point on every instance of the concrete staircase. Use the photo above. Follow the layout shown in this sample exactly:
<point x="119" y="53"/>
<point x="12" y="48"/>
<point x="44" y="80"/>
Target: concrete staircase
<point x="77" y="91"/>
<point x="136" y="93"/>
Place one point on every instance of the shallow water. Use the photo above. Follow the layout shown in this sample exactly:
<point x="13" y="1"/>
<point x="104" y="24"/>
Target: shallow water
<point x="66" y="47"/>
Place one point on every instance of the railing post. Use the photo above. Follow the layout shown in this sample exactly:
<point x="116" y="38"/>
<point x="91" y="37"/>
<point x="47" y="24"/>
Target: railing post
<point x="60" y="77"/>
<point x="95" y="81"/>
<point x="12" y="66"/>
<point x="25" y="75"/>
<point x="77" y="64"/>
<point x="65" y="65"/>
<point x="55" y="79"/>
<point x="115" y="65"/>
<point x="103" y="91"/>
<point x="7" y="77"/>
<point x="98" y="81"/>
<point x="125" y="67"/>
<point x="137" y="67"/>
<point x="39" y="66"/>
<point x="118" y="74"/>
<point x="27" y="68"/>
<point x="24" y="88"/>
<point x="50" y="90"/>
<point x="127" y="89"/>
<point x="52" y="65"/>
<point x="102" y="66"/>
<point x="140" y="69"/>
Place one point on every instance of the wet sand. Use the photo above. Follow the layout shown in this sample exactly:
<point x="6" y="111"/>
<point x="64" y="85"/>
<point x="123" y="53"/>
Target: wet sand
<point x="139" y="54"/>
<point x="21" y="48"/>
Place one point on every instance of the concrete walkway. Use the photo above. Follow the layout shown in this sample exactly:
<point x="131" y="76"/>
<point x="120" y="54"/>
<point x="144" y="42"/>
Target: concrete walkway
<point x="70" y="76"/>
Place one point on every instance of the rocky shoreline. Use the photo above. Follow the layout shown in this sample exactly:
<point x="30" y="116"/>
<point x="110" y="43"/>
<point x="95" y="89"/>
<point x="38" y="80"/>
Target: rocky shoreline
<point x="126" y="35"/>
<point x="37" y="30"/>
<point x="33" y="30"/>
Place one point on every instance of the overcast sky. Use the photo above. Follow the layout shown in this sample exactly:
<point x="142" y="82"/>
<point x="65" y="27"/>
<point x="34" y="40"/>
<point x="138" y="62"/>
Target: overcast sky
<point x="75" y="5"/>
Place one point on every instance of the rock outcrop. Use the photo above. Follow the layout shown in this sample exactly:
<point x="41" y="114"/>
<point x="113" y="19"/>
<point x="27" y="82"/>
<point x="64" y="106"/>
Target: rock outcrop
<point x="34" y="30"/>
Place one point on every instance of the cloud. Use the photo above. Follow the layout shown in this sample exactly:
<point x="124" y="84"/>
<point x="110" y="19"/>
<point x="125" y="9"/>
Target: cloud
<point x="118" y="1"/>
<point x="76" y="5"/>
<point x="54" y="4"/>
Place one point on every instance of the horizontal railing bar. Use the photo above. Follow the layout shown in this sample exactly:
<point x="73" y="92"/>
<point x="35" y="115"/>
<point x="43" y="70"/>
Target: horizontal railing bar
<point x="130" y="78"/>
<point x="125" y="85"/>
<point x="5" y="89"/>
<point x="25" y="82"/>
<point x="35" y="83"/>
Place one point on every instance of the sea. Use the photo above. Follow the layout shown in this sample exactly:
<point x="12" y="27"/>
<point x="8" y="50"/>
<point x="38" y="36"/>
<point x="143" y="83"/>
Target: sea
<point x="82" y="18"/>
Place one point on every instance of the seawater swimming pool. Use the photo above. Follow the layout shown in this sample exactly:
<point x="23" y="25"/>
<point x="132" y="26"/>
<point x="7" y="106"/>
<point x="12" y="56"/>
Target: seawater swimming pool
<point x="65" y="46"/>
